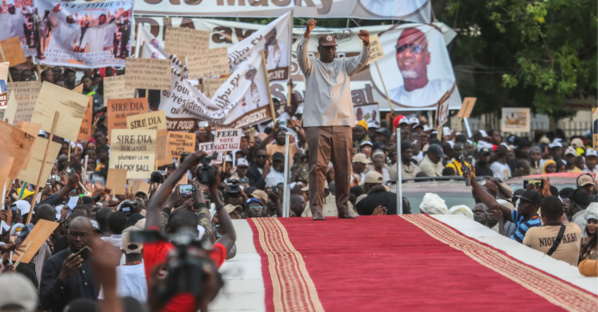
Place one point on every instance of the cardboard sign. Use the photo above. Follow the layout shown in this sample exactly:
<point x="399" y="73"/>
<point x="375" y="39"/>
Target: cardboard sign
<point x="210" y="63"/>
<point x="15" y="143"/>
<point x="151" y="74"/>
<point x="33" y="130"/>
<point x="162" y="158"/>
<point x="153" y="121"/>
<point x="208" y="147"/>
<point x="117" y="181"/>
<point x="211" y="85"/>
<point x="515" y="119"/>
<point x="23" y="105"/>
<point x="227" y="140"/>
<point x="140" y="186"/>
<point x="79" y="88"/>
<point x="32" y="173"/>
<point x="70" y="105"/>
<point x="376" y="49"/>
<point x="3" y="79"/>
<point x="119" y="109"/>
<point x="185" y="41"/>
<point x="114" y="88"/>
<point x="7" y="162"/>
<point x="467" y="107"/>
<point x="179" y="143"/>
<point x="85" y="129"/>
<point x="133" y="150"/>
<point x="38" y="236"/>
<point x="13" y="51"/>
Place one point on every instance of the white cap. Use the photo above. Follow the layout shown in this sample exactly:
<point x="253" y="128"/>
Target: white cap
<point x="483" y="133"/>
<point x="403" y="121"/>
<point x="299" y="110"/>
<point x="23" y="206"/>
<point x="242" y="162"/>
<point x="591" y="152"/>
<point x="571" y="151"/>
<point x="427" y="128"/>
<point x="413" y="120"/>
<point x="556" y="144"/>
<point x="228" y="158"/>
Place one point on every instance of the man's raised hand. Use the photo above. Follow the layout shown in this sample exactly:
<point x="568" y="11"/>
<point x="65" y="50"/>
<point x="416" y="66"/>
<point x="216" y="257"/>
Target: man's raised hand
<point x="364" y="35"/>
<point x="311" y="23"/>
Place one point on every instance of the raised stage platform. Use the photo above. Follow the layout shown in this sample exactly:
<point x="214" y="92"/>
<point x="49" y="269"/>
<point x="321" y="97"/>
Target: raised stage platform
<point x="391" y="263"/>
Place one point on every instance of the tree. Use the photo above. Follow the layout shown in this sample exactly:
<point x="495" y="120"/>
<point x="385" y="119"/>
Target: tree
<point x="529" y="53"/>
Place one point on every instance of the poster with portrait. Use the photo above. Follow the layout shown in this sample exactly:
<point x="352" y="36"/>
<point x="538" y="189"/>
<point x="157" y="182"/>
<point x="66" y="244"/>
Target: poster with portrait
<point x="417" y="68"/>
<point x="368" y="112"/>
<point x="16" y="20"/>
<point x="515" y="119"/>
<point x="85" y="34"/>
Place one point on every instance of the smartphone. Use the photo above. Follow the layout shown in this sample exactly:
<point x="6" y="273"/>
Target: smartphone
<point x="186" y="189"/>
<point x="85" y="252"/>
<point x="533" y="184"/>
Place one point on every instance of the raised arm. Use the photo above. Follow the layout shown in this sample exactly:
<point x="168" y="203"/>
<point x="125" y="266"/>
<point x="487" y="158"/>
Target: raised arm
<point x="229" y="236"/>
<point x="354" y="64"/>
<point x="154" y="207"/>
<point x="486" y="198"/>
<point x="302" y="57"/>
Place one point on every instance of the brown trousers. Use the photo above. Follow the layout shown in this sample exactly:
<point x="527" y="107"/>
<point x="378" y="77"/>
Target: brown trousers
<point x="329" y="144"/>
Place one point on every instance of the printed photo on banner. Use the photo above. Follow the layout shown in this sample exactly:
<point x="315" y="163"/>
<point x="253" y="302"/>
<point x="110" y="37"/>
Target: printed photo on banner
<point x="16" y="20"/>
<point x="418" y="71"/>
<point x="515" y="119"/>
<point x="81" y="34"/>
<point x="368" y="112"/>
<point x="3" y="85"/>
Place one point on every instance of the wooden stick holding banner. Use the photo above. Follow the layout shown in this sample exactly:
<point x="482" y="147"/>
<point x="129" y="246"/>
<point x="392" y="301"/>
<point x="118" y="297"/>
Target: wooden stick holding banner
<point x="4" y="60"/>
<point x="41" y="170"/>
<point x="24" y="251"/>
<point x="269" y="91"/>
<point x="392" y="110"/>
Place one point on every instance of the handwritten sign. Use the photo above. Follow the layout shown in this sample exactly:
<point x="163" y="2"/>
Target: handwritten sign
<point x="209" y="63"/>
<point x="85" y="129"/>
<point x="211" y="85"/>
<point x="70" y="105"/>
<point x="140" y="186"/>
<point x="162" y="158"/>
<point x="22" y="106"/>
<point x="117" y="181"/>
<point x="32" y="173"/>
<point x="227" y="140"/>
<point x="179" y="143"/>
<point x="33" y="130"/>
<point x="15" y="143"/>
<point x="467" y="107"/>
<point x="119" y="109"/>
<point x="114" y="88"/>
<point x="185" y="41"/>
<point x="133" y="150"/>
<point x="376" y="49"/>
<point x="147" y="74"/>
<point x="208" y="147"/>
<point x="13" y="51"/>
<point x="153" y="121"/>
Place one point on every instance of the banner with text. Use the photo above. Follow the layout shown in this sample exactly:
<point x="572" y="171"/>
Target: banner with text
<point x="133" y="150"/>
<point x="85" y="34"/>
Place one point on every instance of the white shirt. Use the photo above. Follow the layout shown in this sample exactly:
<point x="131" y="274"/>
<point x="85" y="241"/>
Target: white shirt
<point x="277" y="56"/>
<point x="130" y="282"/>
<point x="328" y="87"/>
<point x="274" y="178"/>
<point x="256" y="96"/>
<point x="500" y="171"/>
<point x="65" y="35"/>
<point x="422" y="97"/>
<point x="114" y="239"/>
<point x="99" y="37"/>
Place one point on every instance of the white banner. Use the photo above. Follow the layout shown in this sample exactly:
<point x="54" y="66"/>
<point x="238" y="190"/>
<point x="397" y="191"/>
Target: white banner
<point x="407" y="10"/>
<point x="3" y="85"/>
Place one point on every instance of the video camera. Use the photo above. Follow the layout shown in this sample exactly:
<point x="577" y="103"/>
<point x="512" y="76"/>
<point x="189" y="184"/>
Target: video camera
<point x="158" y="176"/>
<point x="185" y="271"/>
<point x="206" y="173"/>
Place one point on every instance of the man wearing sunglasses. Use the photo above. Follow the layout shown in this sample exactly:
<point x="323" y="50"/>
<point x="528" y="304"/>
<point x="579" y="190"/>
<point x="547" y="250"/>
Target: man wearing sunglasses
<point x="328" y="116"/>
<point x="413" y="59"/>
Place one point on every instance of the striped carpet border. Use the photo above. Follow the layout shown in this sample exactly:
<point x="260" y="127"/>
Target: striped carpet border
<point x="551" y="288"/>
<point x="292" y="287"/>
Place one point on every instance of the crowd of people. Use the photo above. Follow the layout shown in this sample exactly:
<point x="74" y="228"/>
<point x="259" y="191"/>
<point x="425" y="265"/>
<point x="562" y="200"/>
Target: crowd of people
<point x="123" y="248"/>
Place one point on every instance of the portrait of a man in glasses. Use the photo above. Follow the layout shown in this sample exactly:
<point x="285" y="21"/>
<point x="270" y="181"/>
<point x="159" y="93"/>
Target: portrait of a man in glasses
<point x="413" y="58"/>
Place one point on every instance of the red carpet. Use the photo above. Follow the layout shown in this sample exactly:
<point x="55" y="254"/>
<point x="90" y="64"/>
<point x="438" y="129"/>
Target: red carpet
<point x="390" y="263"/>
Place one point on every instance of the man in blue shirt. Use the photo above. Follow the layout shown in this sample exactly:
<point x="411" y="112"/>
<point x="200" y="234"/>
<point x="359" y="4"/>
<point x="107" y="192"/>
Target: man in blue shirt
<point x="525" y="217"/>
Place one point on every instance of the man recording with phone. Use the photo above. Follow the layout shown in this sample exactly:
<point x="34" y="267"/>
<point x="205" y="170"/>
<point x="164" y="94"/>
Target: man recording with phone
<point x="156" y="254"/>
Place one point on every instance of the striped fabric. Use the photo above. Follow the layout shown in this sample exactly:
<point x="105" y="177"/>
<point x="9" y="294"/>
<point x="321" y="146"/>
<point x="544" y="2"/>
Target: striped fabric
<point x="522" y="226"/>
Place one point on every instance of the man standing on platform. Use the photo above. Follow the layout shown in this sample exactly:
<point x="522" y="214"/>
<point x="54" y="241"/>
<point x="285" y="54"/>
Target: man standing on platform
<point x="328" y="116"/>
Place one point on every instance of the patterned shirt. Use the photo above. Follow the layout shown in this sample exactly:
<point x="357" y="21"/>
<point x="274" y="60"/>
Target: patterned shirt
<point x="523" y="226"/>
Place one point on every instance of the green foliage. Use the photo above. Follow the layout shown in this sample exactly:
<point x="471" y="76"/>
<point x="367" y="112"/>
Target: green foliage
<point x="532" y="53"/>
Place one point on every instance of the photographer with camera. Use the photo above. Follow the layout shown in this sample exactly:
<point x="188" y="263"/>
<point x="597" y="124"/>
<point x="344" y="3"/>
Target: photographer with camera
<point x="156" y="254"/>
